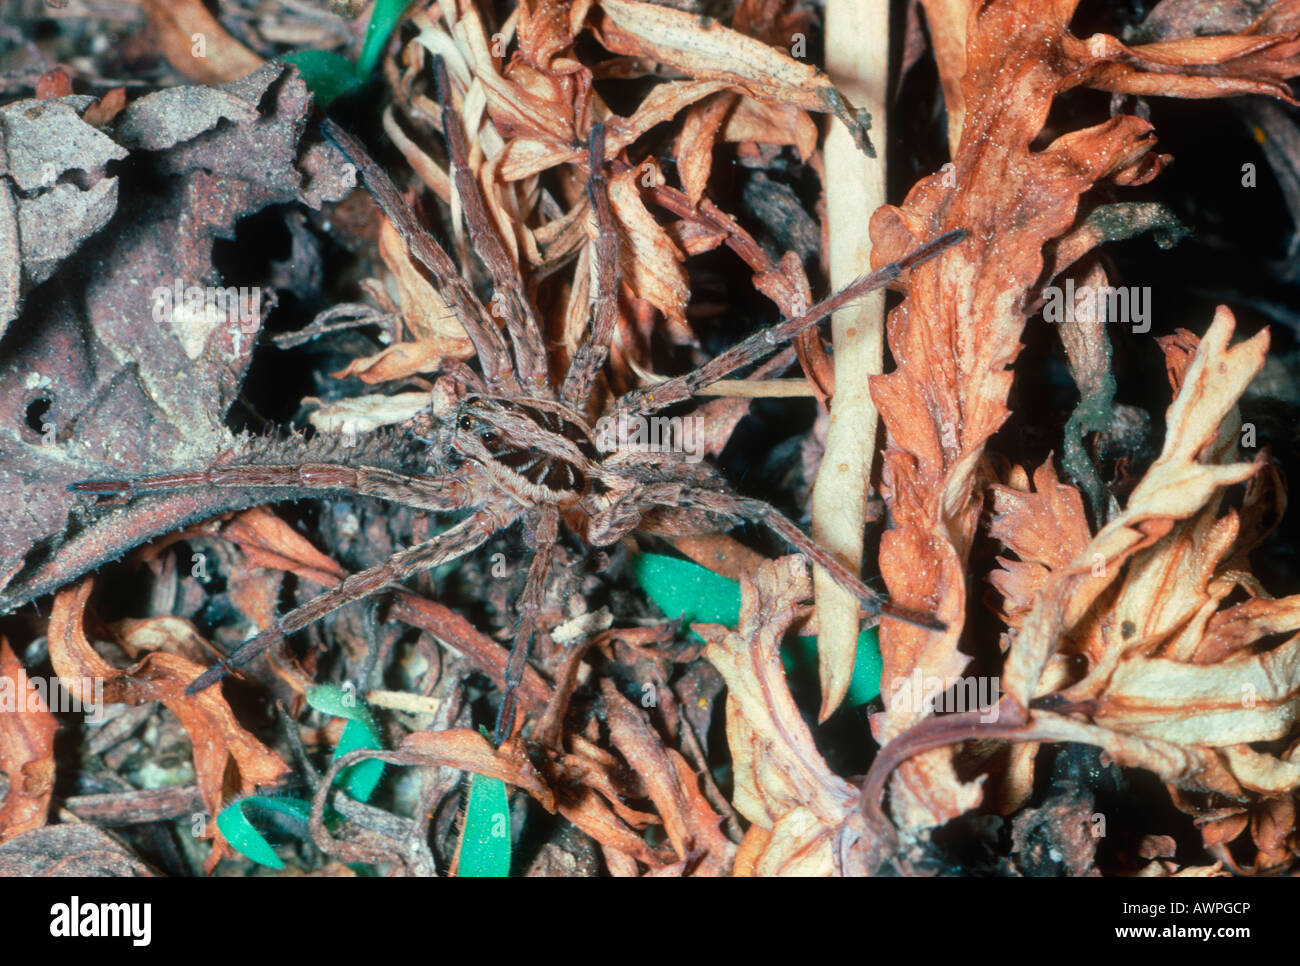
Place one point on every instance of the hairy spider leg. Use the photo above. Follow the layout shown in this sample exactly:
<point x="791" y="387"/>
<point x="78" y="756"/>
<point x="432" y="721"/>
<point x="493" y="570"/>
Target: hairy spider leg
<point x="509" y="301"/>
<point x="591" y="355"/>
<point x="625" y="515"/>
<point x="493" y="354"/>
<point x="529" y="606"/>
<point x="452" y="543"/>
<point x="760" y="512"/>
<point x="428" y="493"/>
<point x="761" y="344"/>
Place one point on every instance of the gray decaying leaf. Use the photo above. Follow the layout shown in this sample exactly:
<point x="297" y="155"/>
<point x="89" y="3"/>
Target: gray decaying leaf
<point x="99" y="375"/>
<point x="44" y="214"/>
<point x="68" y="850"/>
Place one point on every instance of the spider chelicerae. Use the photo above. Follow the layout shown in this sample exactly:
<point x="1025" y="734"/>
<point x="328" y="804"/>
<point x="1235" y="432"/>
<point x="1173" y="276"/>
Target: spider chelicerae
<point x="518" y="445"/>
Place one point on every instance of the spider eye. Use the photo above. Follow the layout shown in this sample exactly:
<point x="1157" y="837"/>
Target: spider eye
<point x="466" y="423"/>
<point x="488" y="437"/>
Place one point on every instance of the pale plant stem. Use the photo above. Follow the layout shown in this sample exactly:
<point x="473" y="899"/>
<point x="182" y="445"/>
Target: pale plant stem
<point x="857" y="60"/>
<point x="758" y="388"/>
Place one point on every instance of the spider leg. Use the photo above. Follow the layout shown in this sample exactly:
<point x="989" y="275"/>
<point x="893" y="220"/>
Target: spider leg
<point x="592" y="353"/>
<point x="492" y="351"/>
<point x="763" y="343"/>
<point x="448" y="545"/>
<point x="508" y="298"/>
<point x="720" y="507"/>
<point x="426" y="493"/>
<point x="772" y="518"/>
<point x="628" y="513"/>
<point x="530" y="604"/>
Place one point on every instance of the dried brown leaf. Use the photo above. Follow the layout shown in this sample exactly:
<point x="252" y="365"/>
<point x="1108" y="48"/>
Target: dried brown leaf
<point x="26" y="749"/>
<point x="706" y="50"/>
<point x="695" y="144"/>
<point x="656" y="273"/>
<point x="1045" y="527"/>
<point x="469" y="751"/>
<point x="223" y="751"/>
<point x="1258" y="60"/>
<point x="405" y="359"/>
<point x="692" y="826"/>
<point x="958" y="333"/>
<point x="196" y="44"/>
<point x="1137" y="603"/>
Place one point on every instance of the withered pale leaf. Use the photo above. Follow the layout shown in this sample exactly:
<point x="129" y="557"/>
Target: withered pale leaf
<point x="362" y="414"/>
<point x="173" y="634"/>
<point x="706" y="50"/>
<point x="434" y="177"/>
<point x="1243" y="698"/>
<point x="1239" y="626"/>
<point x="405" y="359"/>
<point x="811" y="815"/>
<point x="423" y="308"/>
<point x="1175" y="487"/>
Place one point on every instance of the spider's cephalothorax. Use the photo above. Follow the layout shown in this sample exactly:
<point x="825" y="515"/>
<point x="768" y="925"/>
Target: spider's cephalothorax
<point x="537" y="451"/>
<point x="518" y="446"/>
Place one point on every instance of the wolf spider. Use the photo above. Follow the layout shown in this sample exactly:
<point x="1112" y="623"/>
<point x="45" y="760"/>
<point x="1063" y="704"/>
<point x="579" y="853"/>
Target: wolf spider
<point x="516" y="447"/>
